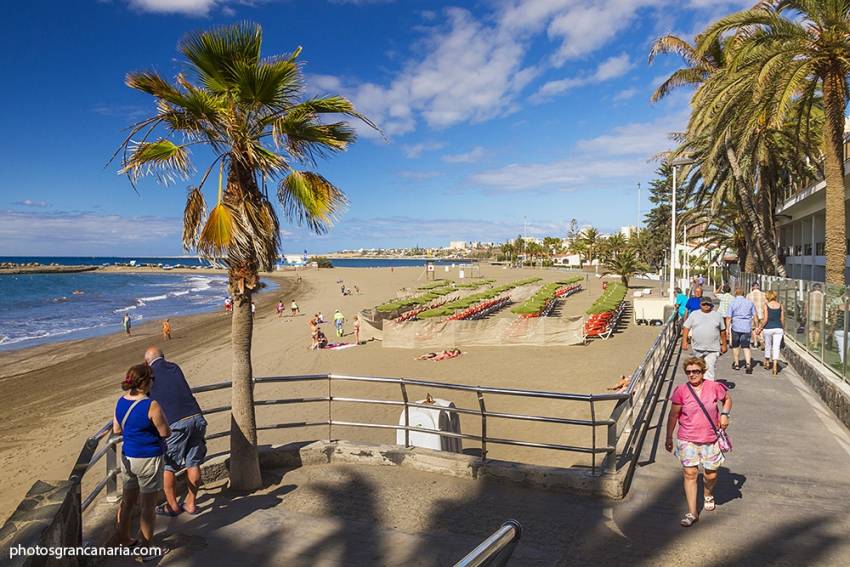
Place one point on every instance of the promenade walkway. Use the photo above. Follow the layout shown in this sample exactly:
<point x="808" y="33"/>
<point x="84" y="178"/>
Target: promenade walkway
<point x="782" y="501"/>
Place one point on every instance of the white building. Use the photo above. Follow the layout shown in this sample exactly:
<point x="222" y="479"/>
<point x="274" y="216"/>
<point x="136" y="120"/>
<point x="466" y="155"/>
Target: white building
<point x="628" y="231"/>
<point x="457" y="245"/>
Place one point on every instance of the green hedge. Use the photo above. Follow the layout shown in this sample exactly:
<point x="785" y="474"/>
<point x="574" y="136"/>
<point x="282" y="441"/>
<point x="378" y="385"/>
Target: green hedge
<point x="410" y="302"/>
<point x="470" y="300"/>
<point x="609" y="300"/>
<point x="434" y="284"/>
<point x="537" y="302"/>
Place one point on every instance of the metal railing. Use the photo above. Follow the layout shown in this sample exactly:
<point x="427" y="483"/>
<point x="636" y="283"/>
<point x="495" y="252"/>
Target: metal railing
<point x="624" y="424"/>
<point x="817" y="317"/>
<point x="496" y="550"/>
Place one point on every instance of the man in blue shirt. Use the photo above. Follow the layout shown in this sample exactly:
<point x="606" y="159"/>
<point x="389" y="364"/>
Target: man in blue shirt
<point x="740" y="319"/>
<point x="692" y="306"/>
<point x="186" y="446"/>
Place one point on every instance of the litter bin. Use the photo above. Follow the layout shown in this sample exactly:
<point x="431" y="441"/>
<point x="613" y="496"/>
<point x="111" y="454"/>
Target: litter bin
<point x="434" y="418"/>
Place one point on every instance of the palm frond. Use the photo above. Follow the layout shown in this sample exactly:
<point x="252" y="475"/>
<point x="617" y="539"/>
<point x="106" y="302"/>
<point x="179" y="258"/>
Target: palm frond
<point x="163" y="158"/>
<point x="193" y="215"/>
<point x="217" y="234"/>
<point x="308" y="198"/>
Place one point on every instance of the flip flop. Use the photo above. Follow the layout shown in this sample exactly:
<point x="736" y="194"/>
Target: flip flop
<point x="195" y="513"/>
<point x="164" y="510"/>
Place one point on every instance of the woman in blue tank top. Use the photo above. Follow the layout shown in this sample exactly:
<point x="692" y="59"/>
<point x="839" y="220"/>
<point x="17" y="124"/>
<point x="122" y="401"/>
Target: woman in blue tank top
<point x="143" y="426"/>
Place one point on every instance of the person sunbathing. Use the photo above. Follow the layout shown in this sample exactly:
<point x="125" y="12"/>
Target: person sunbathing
<point x="621" y="385"/>
<point x="321" y="339"/>
<point x="451" y="353"/>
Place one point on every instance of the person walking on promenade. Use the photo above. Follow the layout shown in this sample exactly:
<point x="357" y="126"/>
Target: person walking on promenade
<point x="694" y="302"/>
<point x="142" y="423"/>
<point x="740" y="321"/>
<point x="339" y="321"/>
<point x="772" y="328"/>
<point x="757" y="297"/>
<point x="725" y="298"/>
<point x="125" y="322"/>
<point x="166" y="330"/>
<point x="706" y="329"/>
<point x="185" y="446"/>
<point x="681" y="301"/>
<point x="696" y="442"/>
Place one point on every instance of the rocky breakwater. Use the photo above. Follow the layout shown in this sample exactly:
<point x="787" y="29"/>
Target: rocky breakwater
<point x="13" y="268"/>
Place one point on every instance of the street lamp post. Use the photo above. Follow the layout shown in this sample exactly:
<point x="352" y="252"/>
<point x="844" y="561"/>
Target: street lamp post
<point x="675" y="163"/>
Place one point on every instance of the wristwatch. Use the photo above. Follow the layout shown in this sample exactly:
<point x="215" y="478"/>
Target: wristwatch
<point x="726" y="413"/>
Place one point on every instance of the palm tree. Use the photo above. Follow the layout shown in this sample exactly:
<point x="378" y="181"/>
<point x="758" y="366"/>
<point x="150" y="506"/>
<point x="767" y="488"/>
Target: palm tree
<point x="589" y="239"/>
<point x="249" y="113"/>
<point x="699" y="65"/>
<point x="626" y="265"/>
<point x="793" y="51"/>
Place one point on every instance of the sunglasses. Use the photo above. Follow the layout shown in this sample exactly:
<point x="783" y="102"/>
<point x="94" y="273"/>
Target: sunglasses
<point x="691" y="372"/>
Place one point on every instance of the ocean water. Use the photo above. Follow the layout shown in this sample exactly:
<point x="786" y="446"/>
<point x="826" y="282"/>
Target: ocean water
<point x="166" y="261"/>
<point x="41" y="308"/>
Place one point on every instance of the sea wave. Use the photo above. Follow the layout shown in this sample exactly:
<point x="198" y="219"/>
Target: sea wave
<point x="152" y="298"/>
<point x="179" y="293"/>
<point x="123" y="309"/>
<point x="44" y="334"/>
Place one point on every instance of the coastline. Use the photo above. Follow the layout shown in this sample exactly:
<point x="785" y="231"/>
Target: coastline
<point x="55" y="395"/>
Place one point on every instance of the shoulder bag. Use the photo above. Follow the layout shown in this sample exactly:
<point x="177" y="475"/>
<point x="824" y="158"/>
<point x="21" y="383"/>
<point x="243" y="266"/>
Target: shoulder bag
<point x="723" y="439"/>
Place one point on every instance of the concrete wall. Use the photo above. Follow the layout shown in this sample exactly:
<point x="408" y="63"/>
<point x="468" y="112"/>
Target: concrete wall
<point x="834" y="392"/>
<point x="49" y="516"/>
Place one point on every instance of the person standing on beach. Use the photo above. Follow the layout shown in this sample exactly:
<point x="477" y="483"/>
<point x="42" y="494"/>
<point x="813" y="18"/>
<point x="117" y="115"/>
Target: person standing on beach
<point x="228" y="305"/>
<point x="126" y="323"/>
<point x="706" y="330"/>
<point x="143" y="425"/>
<point x="166" y="330"/>
<point x="280" y="309"/>
<point x="357" y="329"/>
<point x="186" y="446"/>
<point x="339" y="321"/>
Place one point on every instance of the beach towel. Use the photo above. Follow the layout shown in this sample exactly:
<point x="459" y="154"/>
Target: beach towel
<point x="339" y="346"/>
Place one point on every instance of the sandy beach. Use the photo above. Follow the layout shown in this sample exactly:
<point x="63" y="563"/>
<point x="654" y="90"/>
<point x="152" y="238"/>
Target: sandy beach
<point x="55" y="395"/>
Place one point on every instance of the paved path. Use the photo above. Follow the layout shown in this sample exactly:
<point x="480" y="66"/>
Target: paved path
<point x="782" y="500"/>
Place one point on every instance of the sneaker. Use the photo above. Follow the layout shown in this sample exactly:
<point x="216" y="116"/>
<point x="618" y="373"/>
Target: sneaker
<point x="749" y="369"/>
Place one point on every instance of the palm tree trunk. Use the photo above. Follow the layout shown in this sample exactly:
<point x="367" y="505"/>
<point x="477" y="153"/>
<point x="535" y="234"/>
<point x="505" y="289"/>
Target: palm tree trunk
<point x="244" y="463"/>
<point x="765" y="247"/>
<point x="834" y="97"/>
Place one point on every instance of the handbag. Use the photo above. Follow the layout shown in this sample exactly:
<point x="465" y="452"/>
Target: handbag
<point x="723" y="439"/>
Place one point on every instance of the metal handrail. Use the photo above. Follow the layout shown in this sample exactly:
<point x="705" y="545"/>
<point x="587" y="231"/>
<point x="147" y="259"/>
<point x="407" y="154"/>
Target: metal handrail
<point x="626" y="414"/>
<point x="496" y="549"/>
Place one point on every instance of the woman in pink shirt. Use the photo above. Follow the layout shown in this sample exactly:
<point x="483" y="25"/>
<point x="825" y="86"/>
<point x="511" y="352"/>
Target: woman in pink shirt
<point x="696" y="441"/>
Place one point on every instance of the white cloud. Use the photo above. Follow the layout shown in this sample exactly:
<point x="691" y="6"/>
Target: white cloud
<point x="624" y="154"/>
<point x="611" y="68"/>
<point x="31" y="203"/>
<point x="416" y="150"/>
<point x="472" y="156"/>
<point x="72" y="232"/>
<point x="625" y="94"/>
<point x="187" y="7"/>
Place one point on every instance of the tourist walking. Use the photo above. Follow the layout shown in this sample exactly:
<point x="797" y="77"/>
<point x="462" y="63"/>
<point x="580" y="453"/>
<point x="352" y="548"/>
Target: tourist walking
<point x="705" y="330"/>
<point x="694" y="302"/>
<point x="725" y="298"/>
<point x="772" y="328"/>
<point x="143" y="425"/>
<point x="186" y="446"/>
<point x="757" y="297"/>
<point x="228" y="305"/>
<point x="293" y="307"/>
<point x="693" y="411"/>
<point x="166" y="330"/>
<point x="125" y="322"/>
<point x="280" y="309"/>
<point x="339" y="321"/>
<point x="740" y="321"/>
<point x="681" y="301"/>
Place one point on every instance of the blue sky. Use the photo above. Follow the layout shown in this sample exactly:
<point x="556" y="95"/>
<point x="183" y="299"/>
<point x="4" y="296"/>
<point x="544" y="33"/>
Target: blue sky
<point x="495" y="113"/>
